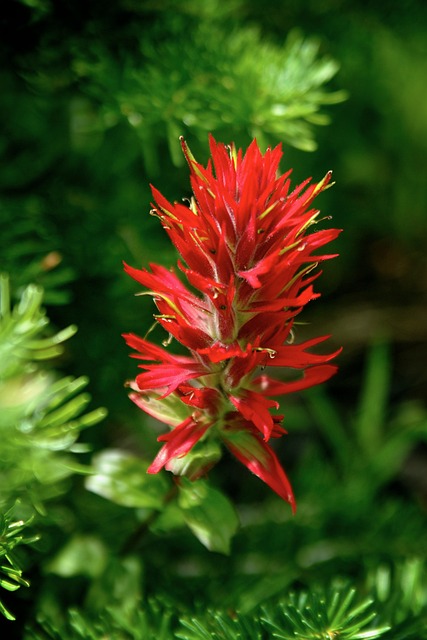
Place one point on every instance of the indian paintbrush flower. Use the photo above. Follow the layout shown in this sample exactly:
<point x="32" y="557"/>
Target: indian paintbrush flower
<point x="246" y="245"/>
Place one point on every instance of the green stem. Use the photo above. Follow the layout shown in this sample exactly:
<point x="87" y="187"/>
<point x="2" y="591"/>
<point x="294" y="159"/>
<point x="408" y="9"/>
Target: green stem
<point x="135" y="539"/>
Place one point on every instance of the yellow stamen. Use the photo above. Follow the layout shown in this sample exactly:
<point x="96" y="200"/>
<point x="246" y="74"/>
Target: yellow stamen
<point x="320" y="186"/>
<point x="271" y="352"/>
<point x="301" y="273"/>
<point x="267" y="211"/>
<point x="156" y="294"/>
<point x="233" y="154"/>
<point x="289" y="247"/>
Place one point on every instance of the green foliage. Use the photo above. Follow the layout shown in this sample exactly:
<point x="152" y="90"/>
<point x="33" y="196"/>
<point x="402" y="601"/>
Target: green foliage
<point x="280" y="89"/>
<point x="114" y="605"/>
<point x="208" y="513"/>
<point x="122" y="477"/>
<point x="401" y="591"/>
<point x="338" y="612"/>
<point x="323" y="615"/>
<point x="220" y="626"/>
<point x="41" y="417"/>
<point x="12" y="534"/>
<point x="20" y="331"/>
<point x="188" y="76"/>
<point x="370" y="449"/>
<point x="137" y="626"/>
<point x="28" y="246"/>
<point x="303" y="616"/>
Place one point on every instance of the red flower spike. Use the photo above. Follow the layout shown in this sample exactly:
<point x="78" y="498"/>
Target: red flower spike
<point x="249" y="256"/>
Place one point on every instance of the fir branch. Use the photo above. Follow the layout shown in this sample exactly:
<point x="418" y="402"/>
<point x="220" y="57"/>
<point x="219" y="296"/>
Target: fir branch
<point x="328" y="615"/>
<point x="41" y="418"/>
<point x="12" y="534"/>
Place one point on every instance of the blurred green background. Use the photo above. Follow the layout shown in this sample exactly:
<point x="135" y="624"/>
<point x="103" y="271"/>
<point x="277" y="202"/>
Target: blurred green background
<point x="93" y="99"/>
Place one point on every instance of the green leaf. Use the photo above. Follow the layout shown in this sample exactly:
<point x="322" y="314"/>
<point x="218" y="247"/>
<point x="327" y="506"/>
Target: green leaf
<point x="8" y="585"/>
<point x="209" y="514"/>
<point x="82" y="555"/>
<point x="12" y="534"/>
<point x="5" y="612"/>
<point x="374" y="398"/>
<point x="122" y="478"/>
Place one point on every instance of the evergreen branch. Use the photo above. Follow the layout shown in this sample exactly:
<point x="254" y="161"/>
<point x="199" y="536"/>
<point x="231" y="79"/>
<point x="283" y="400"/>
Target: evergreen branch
<point x="152" y="622"/>
<point x="331" y="614"/>
<point x="40" y="419"/>
<point x="336" y="613"/>
<point x="11" y="536"/>
<point x="20" y="328"/>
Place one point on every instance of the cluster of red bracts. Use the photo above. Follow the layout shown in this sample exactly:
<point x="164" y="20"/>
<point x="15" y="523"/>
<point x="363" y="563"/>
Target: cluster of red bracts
<point x="246" y="244"/>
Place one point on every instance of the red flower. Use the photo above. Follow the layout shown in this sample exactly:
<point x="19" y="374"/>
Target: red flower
<point x="246" y="248"/>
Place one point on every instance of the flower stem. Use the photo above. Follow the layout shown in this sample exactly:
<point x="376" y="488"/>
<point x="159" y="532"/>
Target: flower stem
<point x="134" y="541"/>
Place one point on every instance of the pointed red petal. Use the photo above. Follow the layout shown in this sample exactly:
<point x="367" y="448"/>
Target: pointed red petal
<point x="179" y="442"/>
<point x="167" y="375"/>
<point x="148" y="351"/>
<point x="262" y="267"/>
<point x="312" y="376"/>
<point x="259" y="458"/>
<point x="296" y="356"/>
<point x="254" y="407"/>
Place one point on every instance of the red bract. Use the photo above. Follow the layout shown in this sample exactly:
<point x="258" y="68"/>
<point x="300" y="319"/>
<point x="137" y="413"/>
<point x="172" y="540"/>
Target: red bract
<point x="247" y="247"/>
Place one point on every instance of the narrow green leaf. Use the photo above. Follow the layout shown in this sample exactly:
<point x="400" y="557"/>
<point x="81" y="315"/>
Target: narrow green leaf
<point x="374" y="397"/>
<point x="8" y="585"/>
<point x="65" y="412"/>
<point x="329" y="422"/>
<point x="56" y="339"/>
<point x="4" y="297"/>
<point x="373" y="633"/>
<point x="6" y="613"/>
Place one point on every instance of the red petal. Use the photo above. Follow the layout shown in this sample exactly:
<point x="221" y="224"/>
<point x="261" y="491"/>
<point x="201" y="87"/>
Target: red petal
<point x="162" y="280"/>
<point x="262" y="267"/>
<point x="218" y="351"/>
<point x="259" y="458"/>
<point x="179" y="442"/>
<point x="202" y="398"/>
<point x="295" y="355"/>
<point x="255" y="408"/>
<point x="167" y="375"/>
<point x="149" y="351"/>
<point x="312" y="376"/>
